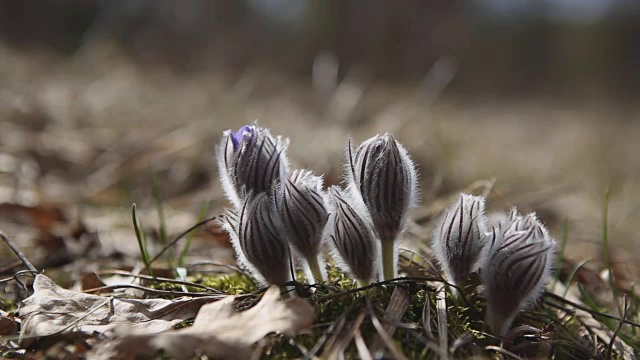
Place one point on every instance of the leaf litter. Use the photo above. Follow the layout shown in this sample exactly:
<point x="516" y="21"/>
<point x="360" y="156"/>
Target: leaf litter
<point x="130" y="327"/>
<point x="217" y="331"/>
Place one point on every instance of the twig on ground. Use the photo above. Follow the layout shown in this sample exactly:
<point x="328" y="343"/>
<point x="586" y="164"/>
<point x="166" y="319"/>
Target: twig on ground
<point x="584" y="308"/>
<point x="620" y="323"/>
<point x="18" y="253"/>
<point x="177" y="238"/>
<point x="159" y="279"/>
<point x="151" y="291"/>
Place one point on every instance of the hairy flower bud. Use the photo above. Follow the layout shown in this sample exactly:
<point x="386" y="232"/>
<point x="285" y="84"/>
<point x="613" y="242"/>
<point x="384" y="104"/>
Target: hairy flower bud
<point x="381" y="173"/>
<point x="258" y="245"/>
<point x="301" y="204"/>
<point x="458" y="240"/>
<point x="250" y="160"/>
<point x="384" y="175"/>
<point x="353" y="238"/>
<point x="519" y="260"/>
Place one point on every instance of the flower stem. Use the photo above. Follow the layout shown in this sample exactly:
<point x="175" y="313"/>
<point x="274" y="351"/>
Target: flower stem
<point x="388" y="261"/>
<point x="315" y="270"/>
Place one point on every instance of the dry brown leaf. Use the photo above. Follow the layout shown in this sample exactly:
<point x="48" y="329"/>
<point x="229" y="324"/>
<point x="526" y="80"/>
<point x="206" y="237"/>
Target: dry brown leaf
<point x="218" y="331"/>
<point x="52" y="310"/>
<point x="91" y="281"/>
<point x="7" y="326"/>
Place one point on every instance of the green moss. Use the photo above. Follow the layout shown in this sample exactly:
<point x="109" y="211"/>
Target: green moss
<point x="232" y="284"/>
<point x="8" y="305"/>
<point x="340" y="299"/>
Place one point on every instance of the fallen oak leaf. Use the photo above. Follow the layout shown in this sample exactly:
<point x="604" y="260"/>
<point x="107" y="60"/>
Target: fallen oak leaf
<point x="53" y="310"/>
<point x="218" y="331"/>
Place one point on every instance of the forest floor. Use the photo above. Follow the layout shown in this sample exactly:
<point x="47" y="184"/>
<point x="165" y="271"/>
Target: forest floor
<point x="82" y="139"/>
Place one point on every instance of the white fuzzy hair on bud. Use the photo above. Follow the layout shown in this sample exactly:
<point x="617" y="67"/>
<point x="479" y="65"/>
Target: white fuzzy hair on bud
<point x="353" y="239"/>
<point x="250" y="160"/>
<point x="303" y="209"/>
<point x="458" y="239"/>
<point x="519" y="259"/>
<point x="382" y="176"/>
<point x="258" y="245"/>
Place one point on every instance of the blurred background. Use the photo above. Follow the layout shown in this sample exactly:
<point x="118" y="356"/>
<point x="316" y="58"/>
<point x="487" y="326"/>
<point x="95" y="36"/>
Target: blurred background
<point x="533" y="102"/>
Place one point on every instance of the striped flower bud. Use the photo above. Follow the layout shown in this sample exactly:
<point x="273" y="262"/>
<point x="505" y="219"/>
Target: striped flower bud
<point x="527" y="222"/>
<point x="258" y="245"/>
<point x="352" y="237"/>
<point x="519" y="260"/>
<point x="250" y="160"/>
<point x="458" y="240"/>
<point x="301" y="205"/>
<point x="383" y="175"/>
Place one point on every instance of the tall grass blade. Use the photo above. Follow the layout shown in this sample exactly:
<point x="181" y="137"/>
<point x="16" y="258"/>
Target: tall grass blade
<point x="142" y="240"/>
<point x="609" y="323"/>
<point x="559" y="258"/>
<point x="572" y="275"/>
<point x="160" y="209"/>
<point x="605" y="249"/>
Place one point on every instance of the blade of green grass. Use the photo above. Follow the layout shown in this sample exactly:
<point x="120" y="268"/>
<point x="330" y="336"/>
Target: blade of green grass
<point x="160" y="209"/>
<point x="572" y="275"/>
<point x="187" y="244"/>
<point x="142" y="239"/>
<point x="609" y="323"/>
<point x="563" y="244"/>
<point x="605" y="248"/>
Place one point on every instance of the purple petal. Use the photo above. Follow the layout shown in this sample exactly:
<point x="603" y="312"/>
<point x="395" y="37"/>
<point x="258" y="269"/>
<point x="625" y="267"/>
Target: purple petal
<point x="236" y="137"/>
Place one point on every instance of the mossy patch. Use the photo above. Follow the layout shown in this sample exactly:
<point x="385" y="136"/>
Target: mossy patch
<point x="339" y="302"/>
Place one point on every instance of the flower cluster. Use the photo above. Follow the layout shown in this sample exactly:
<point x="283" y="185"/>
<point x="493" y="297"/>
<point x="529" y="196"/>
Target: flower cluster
<point x="515" y="256"/>
<point x="281" y="217"/>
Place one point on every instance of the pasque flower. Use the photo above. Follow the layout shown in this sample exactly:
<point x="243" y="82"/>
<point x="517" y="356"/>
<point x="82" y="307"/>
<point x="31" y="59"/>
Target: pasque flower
<point x="259" y="246"/>
<point x="250" y="160"/>
<point x="519" y="259"/>
<point x="354" y="241"/>
<point x="381" y="174"/>
<point x="458" y="239"/>
<point x="300" y="201"/>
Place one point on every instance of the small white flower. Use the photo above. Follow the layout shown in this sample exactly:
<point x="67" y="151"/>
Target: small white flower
<point x="520" y="255"/>
<point x="458" y="240"/>
<point x="250" y="160"/>
<point x="352" y="237"/>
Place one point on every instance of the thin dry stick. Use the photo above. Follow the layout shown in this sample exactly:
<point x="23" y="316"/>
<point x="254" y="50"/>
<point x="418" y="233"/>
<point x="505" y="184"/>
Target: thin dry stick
<point x="153" y="291"/>
<point x="615" y="334"/>
<point x="195" y="265"/>
<point x="584" y="308"/>
<point x="159" y="279"/>
<point x="419" y="279"/>
<point x="177" y="238"/>
<point x="18" y="253"/>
